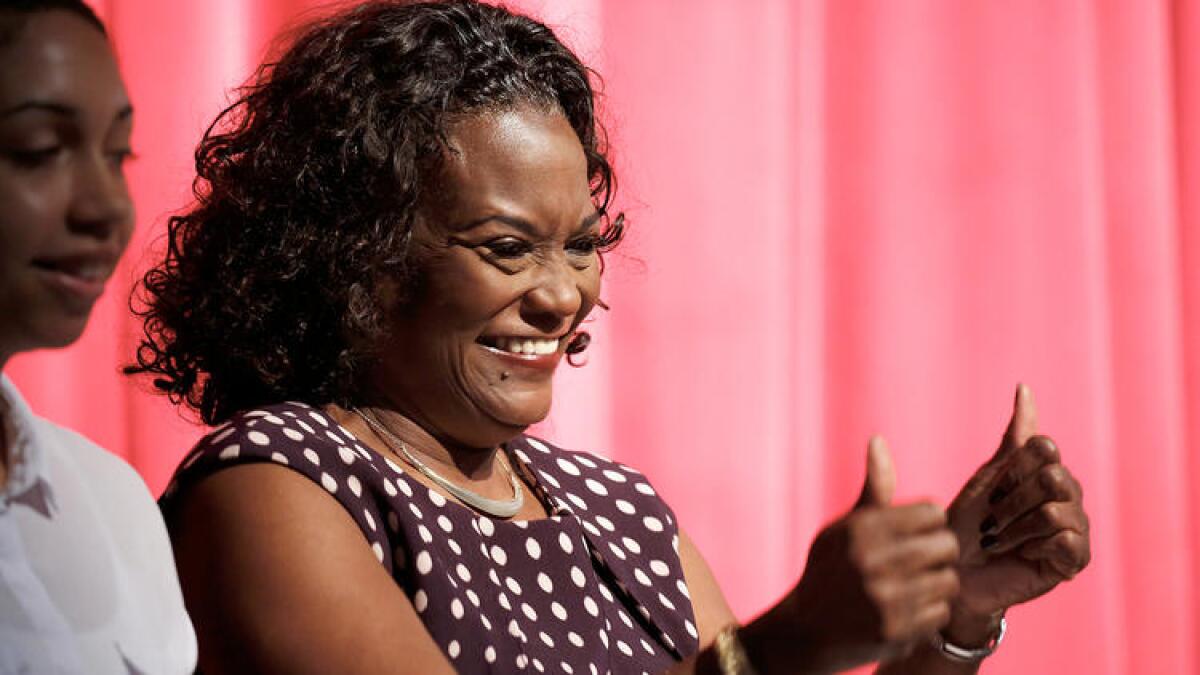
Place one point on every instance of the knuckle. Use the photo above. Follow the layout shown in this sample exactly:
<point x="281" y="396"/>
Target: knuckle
<point x="1050" y="513"/>
<point x="1044" y="448"/>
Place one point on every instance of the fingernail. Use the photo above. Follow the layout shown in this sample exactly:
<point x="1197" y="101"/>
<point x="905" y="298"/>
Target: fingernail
<point x="987" y="541"/>
<point x="988" y="525"/>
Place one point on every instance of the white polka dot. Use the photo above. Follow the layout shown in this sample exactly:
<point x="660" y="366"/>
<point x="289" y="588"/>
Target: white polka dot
<point x="347" y="455"/>
<point x="424" y="562"/>
<point x="392" y="465"/>
<point x="489" y="654"/>
<point x="675" y="542"/>
<point x="437" y="499"/>
<point x="304" y="425"/>
<point x="550" y="479"/>
<point x="425" y="534"/>
<point x="473" y="597"/>
<point x="293" y="434"/>
<point x="230" y="451"/>
<point x="522" y="661"/>
<point x="453" y="649"/>
<point x="528" y="611"/>
<point x="646" y="646"/>
<point x="444" y="523"/>
<point x="403" y="485"/>
<point x="653" y="524"/>
<point x="503" y="598"/>
<point x="494" y="577"/>
<point x="564" y="542"/>
<point x="590" y="605"/>
<point x="514" y="628"/>
<point x="604" y="637"/>
<point x="420" y="601"/>
<point x="533" y="548"/>
<point x="606" y="593"/>
<point x="221" y="434"/>
<point x="362" y="452"/>
<point x="415" y="511"/>
<point x="545" y="583"/>
<point x="369" y="518"/>
<point x="626" y="620"/>
<point x="632" y="545"/>
<point x="354" y="485"/>
<point x="389" y="487"/>
<point x="566" y="667"/>
<point x="463" y="572"/>
<point x="486" y="526"/>
<point x="666" y="601"/>
<point x="258" y="438"/>
<point x="592" y="529"/>
<point x="667" y="639"/>
<point x="644" y="489"/>
<point x="577" y="576"/>
<point x="596" y="486"/>
<point x="614" y="476"/>
<point x="537" y="445"/>
<point x="558" y="611"/>
<point x="616" y="550"/>
<point x="333" y="437"/>
<point x="575" y="639"/>
<point x="568" y="467"/>
<point x="641" y="576"/>
<point x="499" y="556"/>
<point x="378" y="550"/>
<point x="328" y="482"/>
<point x="312" y="456"/>
<point x="319" y="418"/>
<point x="625" y="649"/>
<point x="279" y="457"/>
<point x="579" y="503"/>
<point x="682" y="586"/>
<point x="546" y="640"/>
<point x="456" y="608"/>
<point x="691" y="628"/>
<point x="272" y="419"/>
<point x="454" y="546"/>
<point x="538" y="665"/>
<point x="513" y="585"/>
<point x="606" y="523"/>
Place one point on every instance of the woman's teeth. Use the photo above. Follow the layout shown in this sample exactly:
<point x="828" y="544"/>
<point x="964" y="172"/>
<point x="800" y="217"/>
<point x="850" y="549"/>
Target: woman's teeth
<point x="526" y="345"/>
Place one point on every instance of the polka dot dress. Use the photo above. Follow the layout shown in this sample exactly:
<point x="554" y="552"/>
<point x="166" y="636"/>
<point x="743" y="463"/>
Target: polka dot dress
<point x="595" y="588"/>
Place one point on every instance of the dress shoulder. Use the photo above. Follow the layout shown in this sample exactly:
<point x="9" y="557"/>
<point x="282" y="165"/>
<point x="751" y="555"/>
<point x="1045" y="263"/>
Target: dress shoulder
<point x="303" y="439"/>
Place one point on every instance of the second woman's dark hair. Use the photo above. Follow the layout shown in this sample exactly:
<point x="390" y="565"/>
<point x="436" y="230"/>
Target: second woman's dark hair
<point x="273" y="282"/>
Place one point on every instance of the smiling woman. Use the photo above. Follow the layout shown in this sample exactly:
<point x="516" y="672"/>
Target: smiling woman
<point x="398" y="231"/>
<point x="88" y="581"/>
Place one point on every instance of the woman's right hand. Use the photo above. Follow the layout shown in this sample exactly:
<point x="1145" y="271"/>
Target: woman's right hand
<point x="878" y="579"/>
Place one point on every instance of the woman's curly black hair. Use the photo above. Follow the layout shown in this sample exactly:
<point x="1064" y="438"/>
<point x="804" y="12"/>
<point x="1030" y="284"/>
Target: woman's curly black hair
<point x="306" y="191"/>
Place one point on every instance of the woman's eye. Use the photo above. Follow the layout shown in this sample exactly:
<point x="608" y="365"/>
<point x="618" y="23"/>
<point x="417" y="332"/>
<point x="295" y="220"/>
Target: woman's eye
<point x="32" y="159"/>
<point x="507" y="248"/>
<point x="586" y="245"/>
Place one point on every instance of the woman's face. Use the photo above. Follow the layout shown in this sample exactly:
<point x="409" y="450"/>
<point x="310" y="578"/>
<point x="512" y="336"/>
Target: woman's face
<point x="507" y="268"/>
<point x="65" y="213"/>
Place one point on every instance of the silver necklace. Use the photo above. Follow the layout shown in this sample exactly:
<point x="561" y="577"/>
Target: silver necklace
<point x="500" y="508"/>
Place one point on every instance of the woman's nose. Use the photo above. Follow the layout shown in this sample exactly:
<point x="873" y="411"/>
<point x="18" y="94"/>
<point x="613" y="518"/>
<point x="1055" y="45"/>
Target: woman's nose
<point x="100" y="203"/>
<point x="552" y="303"/>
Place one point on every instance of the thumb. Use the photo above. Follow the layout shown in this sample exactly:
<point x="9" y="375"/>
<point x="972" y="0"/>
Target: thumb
<point x="880" y="482"/>
<point x="1024" y="422"/>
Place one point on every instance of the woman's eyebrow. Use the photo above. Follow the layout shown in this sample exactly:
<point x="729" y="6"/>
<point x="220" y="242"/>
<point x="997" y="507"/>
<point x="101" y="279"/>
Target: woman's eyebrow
<point x="40" y="106"/>
<point x="521" y="224"/>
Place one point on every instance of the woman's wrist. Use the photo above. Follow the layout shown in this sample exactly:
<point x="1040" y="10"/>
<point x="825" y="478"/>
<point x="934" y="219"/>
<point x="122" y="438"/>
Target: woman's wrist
<point x="971" y="629"/>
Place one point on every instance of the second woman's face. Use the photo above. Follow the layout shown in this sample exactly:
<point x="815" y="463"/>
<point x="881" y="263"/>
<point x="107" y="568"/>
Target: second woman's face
<point x="65" y="213"/>
<point x="508" y="267"/>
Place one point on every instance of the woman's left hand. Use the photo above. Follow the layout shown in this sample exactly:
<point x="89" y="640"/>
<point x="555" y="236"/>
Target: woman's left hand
<point x="1020" y="524"/>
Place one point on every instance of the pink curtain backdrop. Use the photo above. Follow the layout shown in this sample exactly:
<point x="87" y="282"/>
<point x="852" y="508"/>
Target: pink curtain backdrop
<point x="848" y="217"/>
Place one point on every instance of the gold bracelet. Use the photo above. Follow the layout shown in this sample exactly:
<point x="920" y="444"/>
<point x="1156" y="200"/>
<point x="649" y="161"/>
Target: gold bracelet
<point x="731" y="655"/>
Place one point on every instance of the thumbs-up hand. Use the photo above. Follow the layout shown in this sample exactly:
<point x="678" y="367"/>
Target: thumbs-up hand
<point x="1020" y="524"/>
<point x="878" y="578"/>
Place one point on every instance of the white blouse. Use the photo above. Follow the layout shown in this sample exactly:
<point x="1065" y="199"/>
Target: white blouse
<point x="87" y="578"/>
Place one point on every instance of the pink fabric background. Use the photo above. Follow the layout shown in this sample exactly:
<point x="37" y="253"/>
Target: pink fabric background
<point x="848" y="217"/>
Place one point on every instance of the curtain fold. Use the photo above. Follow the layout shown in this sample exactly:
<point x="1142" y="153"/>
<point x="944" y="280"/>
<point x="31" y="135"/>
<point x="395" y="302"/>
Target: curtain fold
<point x="847" y="218"/>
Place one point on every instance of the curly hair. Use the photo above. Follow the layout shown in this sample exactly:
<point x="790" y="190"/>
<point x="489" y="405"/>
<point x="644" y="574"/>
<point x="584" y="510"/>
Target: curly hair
<point x="274" y="282"/>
